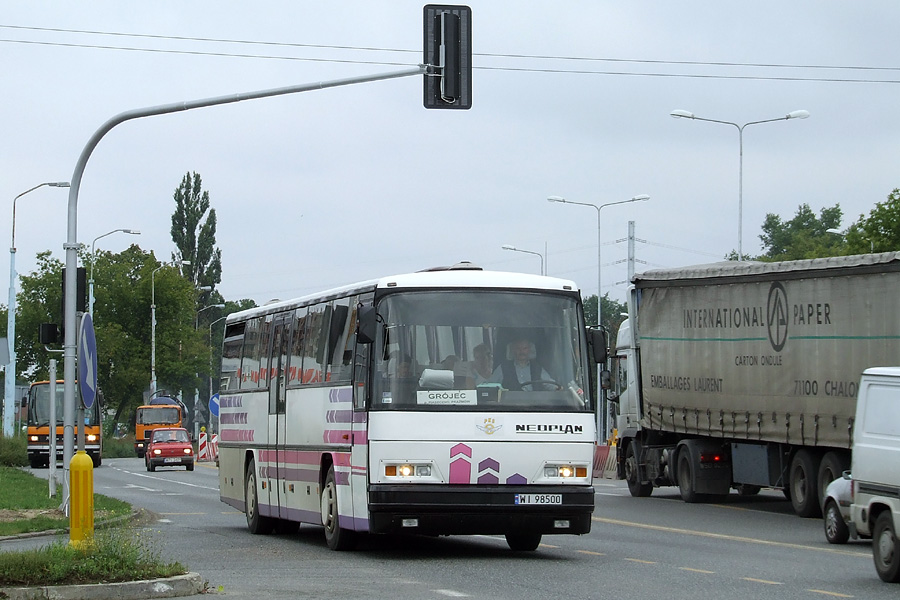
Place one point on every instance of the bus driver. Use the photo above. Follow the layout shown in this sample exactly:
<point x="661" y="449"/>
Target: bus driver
<point x="521" y="371"/>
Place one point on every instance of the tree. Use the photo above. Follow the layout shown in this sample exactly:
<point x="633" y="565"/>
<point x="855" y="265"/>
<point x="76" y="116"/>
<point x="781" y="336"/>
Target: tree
<point x="612" y="313"/>
<point x="122" y="291"/>
<point x="880" y="231"/>
<point x="804" y="236"/>
<point x="195" y="240"/>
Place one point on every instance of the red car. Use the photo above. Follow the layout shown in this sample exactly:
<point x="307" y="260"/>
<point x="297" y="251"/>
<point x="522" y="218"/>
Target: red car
<point x="169" y="447"/>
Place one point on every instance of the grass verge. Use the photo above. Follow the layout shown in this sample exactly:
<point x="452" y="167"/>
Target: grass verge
<point x="25" y="504"/>
<point x="116" y="554"/>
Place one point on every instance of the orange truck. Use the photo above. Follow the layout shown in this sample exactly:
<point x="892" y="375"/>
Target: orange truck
<point x="38" y="426"/>
<point x="162" y="411"/>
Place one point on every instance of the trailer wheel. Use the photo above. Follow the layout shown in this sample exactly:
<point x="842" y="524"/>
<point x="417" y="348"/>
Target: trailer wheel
<point x="256" y="523"/>
<point x="633" y="475"/>
<point x="686" y="478"/>
<point x="336" y="536"/>
<point x="832" y="466"/>
<point x="886" y="548"/>
<point x="523" y="541"/>
<point x="804" y="484"/>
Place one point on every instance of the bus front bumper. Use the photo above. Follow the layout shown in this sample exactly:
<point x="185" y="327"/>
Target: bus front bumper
<point x="480" y="509"/>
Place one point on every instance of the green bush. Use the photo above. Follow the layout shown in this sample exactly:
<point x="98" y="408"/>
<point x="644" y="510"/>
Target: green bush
<point x="118" y="448"/>
<point x="13" y="451"/>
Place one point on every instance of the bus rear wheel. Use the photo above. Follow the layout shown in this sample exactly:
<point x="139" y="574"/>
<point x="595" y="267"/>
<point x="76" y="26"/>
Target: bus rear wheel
<point x="336" y="537"/>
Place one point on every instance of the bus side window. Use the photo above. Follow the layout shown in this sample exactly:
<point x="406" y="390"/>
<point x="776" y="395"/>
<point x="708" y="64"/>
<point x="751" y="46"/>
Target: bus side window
<point x="250" y="360"/>
<point x="295" y="369"/>
<point x="341" y="339"/>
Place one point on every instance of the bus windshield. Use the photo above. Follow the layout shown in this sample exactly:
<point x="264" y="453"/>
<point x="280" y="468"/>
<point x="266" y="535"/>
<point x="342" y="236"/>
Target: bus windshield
<point x="39" y="406"/>
<point x="480" y="350"/>
<point x="155" y="415"/>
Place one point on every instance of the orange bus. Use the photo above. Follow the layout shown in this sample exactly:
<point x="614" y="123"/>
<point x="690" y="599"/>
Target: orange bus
<point x="162" y="411"/>
<point x="38" y="426"/>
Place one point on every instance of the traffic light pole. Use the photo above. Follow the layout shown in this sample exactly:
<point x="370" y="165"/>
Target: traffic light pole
<point x="71" y="246"/>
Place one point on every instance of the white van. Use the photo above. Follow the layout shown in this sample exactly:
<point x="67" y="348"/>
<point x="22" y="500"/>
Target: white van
<point x="875" y="509"/>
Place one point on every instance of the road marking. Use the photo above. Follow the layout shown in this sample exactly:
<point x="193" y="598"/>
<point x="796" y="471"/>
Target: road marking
<point x="704" y="571"/>
<point x="193" y="485"/>
<point x="609" y="494"/>
<point x="733" y="538"/>
<point x="549" y="546"/>
<point x="643" y="562"/>
<point x="591" y="553"/>
<point x="451" y="593"/>
<point x="762" y="581"/>
<point x="835" y="594"/>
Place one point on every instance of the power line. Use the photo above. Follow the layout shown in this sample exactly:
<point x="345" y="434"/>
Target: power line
<point x="485" y="54"/>
<point x="481" y="67"/>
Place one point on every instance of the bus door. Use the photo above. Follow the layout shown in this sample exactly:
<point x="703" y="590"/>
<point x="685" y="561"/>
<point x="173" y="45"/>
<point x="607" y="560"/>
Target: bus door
<point x="277" y="376"/>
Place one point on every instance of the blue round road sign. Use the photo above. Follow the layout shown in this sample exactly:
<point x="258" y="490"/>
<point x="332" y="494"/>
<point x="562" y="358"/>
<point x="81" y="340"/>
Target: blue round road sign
<point x="214" y="405"/>
<point x="87" y="361"/>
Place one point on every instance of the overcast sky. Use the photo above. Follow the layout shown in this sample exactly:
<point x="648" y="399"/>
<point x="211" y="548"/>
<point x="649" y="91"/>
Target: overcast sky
<point x="329" y="187"/>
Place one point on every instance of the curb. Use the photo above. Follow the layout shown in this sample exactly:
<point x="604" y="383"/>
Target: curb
<point x="170" y="587"/>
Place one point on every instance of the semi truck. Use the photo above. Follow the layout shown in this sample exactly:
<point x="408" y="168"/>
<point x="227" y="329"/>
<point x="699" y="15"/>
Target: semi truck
<point x="744" y="375"/>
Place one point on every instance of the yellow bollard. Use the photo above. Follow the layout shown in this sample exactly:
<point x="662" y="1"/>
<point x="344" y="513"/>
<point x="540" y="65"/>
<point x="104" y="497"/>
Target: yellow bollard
<point x="81" y="499"/>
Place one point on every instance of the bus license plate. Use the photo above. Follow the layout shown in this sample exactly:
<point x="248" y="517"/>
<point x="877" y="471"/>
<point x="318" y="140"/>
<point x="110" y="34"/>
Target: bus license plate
<point x="538" y="498"/>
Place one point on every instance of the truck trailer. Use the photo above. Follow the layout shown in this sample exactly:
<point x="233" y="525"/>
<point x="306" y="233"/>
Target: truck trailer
<point x="744" y="375"/>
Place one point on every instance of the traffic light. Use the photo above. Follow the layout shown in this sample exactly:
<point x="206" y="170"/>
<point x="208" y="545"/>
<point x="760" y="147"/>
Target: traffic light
<point x="448" y="55"/>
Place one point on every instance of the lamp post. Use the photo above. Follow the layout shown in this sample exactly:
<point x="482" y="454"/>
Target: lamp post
<point x="153" y="321"/>
<point x="9" y="401"/>
<point x="514" y="249"/>
<point x="638" y="198"/>
<point x="602" y="423"/>
<point x="211" y="352"/>
<point x="91" y="281"/>
<point x="684" y="114"/>
<point x="196" y="391"/>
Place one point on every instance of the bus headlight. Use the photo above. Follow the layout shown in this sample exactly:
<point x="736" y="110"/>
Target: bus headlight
<point x="408" y="470"/>
<point x="33" y="438"/>
<point x="565" y="471"/>
<point x="92" y="438"/>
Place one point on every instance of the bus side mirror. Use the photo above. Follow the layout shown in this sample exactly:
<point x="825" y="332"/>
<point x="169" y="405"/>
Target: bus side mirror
<point x="598" y="341"/>
<point x="366" y="322"/>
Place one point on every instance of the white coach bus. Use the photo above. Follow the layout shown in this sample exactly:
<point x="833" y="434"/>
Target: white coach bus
<point x="448" y="401"/>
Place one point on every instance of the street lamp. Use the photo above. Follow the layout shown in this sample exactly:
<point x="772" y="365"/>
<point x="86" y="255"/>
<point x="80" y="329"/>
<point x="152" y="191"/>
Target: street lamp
<point x="602" y="414"/>
<point x="514" y="249"/>
<point x="153" y="320"/>
<point x="222" y="318"/>
<point x="10" y="387"/>
<point x="196" y="391"/>
<point x="638" y="198"/>
<point x="684" y="114"/>
<point x="91" y="282"/>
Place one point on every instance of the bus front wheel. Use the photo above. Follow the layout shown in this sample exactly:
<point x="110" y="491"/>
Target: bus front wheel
<point x="523" y="541"/>
<point x="336" y="537"/>
<point x="256" y="523"/>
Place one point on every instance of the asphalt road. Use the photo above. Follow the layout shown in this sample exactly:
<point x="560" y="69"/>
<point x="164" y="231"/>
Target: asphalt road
<point x="657" y="547"/>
